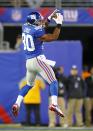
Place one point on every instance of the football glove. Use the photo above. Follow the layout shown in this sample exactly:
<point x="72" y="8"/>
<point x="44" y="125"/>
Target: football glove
<point x="50" y="17"/>
<point x="58" y="18"/>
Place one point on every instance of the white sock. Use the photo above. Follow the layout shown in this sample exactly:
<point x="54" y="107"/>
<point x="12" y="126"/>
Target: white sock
<point x="54" y="100"/>
<point x="19" y="100"/>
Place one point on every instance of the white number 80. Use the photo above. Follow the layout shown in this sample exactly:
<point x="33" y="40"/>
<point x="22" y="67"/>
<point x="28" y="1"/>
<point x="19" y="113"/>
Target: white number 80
<point x="26" y="38"/>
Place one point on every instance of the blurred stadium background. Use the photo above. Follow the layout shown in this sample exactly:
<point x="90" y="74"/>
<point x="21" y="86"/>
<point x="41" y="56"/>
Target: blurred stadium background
<point x="74" y="46"/>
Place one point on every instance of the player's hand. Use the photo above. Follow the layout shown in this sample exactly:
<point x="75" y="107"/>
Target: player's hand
<point x="58" y="18"/>
<point x="49" y="18"/>
<point x="51" y="15"/>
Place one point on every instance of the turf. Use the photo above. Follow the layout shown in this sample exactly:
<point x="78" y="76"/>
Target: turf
<point x="18" y="127"/>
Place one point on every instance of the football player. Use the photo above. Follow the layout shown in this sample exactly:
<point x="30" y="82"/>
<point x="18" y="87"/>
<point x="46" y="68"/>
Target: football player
<point x="33" y="36"/>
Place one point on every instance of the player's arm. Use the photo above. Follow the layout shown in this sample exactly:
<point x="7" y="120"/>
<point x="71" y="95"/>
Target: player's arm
<point x="53" y="36"/>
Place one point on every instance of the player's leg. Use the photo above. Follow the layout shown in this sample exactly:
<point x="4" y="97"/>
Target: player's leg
<point x="30" y="76"/>
<point x="48" y="74"/>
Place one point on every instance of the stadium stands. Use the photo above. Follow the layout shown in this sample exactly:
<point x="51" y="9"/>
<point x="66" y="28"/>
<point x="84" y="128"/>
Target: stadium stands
<point x="47" y="3"/>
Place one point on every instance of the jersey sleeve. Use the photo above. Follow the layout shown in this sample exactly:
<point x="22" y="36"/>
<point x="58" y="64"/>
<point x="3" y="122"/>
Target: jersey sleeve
<point x="40" y="32"/>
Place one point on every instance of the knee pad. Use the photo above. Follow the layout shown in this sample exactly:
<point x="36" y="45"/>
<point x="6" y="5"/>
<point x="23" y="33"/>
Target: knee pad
<point x="54" y="88"/>
<point x="24" y="90"/>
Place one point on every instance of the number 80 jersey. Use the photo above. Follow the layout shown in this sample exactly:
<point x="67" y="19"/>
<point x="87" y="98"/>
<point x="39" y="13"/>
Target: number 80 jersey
<point x="33" y="47"/>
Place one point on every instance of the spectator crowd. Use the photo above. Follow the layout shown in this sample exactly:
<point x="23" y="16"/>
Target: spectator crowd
<point x="75" y="97"/>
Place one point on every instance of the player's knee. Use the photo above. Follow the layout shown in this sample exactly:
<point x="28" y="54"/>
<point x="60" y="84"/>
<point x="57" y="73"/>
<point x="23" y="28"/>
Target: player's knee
<point x="24" y="90"/>
<point x="54" y="88"/>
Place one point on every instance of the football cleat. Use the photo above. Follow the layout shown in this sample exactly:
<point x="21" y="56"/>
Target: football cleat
<point x="15" y="110"/>
<point x="56" y="109"/>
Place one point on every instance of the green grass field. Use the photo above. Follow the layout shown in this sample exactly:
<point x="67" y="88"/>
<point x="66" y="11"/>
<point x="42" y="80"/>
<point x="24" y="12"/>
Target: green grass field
<point x="18" y="127"/>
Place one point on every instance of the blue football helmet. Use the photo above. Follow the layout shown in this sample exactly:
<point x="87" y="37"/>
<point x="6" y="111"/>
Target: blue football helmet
<point x="34" y="18"/>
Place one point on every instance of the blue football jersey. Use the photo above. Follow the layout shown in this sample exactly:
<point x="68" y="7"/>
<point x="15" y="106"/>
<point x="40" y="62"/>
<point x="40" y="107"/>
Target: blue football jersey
<point x="30" y="38"/>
